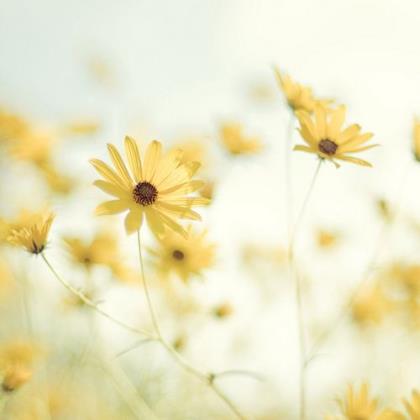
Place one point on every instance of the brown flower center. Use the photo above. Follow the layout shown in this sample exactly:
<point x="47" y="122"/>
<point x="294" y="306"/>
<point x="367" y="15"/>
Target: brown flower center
<point x="178" y="255"/>
<point x="328" y="147"/>
<point x="145" y="193"/>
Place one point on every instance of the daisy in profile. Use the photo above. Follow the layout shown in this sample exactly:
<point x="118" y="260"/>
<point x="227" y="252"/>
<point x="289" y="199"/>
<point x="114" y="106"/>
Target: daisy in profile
<point x="236" y="142"/>
<point x="358" y="405"/>
<point x="33" y="235"/>
<point x="154" y="188"/>
<point x="184" y="257"/>
<point x="325" y="137"/>
<point x="298" y="97"/>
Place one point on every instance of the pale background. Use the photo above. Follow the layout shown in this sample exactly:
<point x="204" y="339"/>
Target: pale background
<point x="181" y="67"/>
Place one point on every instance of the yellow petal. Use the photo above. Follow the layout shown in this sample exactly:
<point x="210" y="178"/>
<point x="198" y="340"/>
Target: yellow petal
<point x="112" y="207"/>
<point x="112" y="189"/>
<point x="320" y="119"/>
<point x="346" y="135"/>
<point x="155" y="222"/>
<point x="133" y="157"/>
<point x="183" y="188"/>
<point x="302" y="148"/>
<point x="120" y="165"/>
<point x="180" y="211"/>
<point x="151" y="160"/>
<point x="108" y="173"/>
<point x="337" y="120"/>
<point x="133" y="220"/>
<point x="354" y="160"/>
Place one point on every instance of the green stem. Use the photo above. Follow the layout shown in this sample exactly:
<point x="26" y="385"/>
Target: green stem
<point x="207" y="378"/>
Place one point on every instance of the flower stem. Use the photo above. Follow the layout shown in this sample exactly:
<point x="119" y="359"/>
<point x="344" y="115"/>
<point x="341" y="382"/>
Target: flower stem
<point x="207" y="378"/>
<point x="88" y="302"/>
<point x="294" y="274"/>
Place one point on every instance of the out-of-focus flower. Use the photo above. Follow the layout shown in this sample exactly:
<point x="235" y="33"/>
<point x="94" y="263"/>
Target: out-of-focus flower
<point x="58" y="183"/>
<point x="7" y="281"/>
<point x="371" y="306"/>
<point x="12" y="126"/>
<point x="34" y="147"/>
<point x="385" y="209"/>
<point x="324" y="136"/>
<point x="103" y="250"/>
<point x="193" y="150"/>
<point x="14" y="377"/>
<point x="223" y="310"/>
<point x="186" y="257"/>
<point x="156" y="189"/>
<point x="358" y="405"/>
<point x="80" y="128"/>
<point x="416" y="139"/>
<point x="34" y="235"/>
<point x="20" y="351"/>
<point x="326" y="239"/>
<point x="236" y="142"/>
<point x="413" y="406"/>
<point x="261" y="93"/>
<point x="406" y="277"/>
<point x="101" y="71"/>
<point x="298" y="97"/>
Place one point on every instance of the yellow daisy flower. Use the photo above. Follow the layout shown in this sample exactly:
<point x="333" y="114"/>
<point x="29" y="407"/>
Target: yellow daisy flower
<point x="186" y="257"/>
<point x="416" y="139"/>
<point x="360" y="406"/>
<point x="156" y="188"/>
<point x="324" y="135"/>
<point x="34" y="235"/>
<point x="298" y="97"/>
<point x="236" y="142"/>
<point x="413" y="406"/>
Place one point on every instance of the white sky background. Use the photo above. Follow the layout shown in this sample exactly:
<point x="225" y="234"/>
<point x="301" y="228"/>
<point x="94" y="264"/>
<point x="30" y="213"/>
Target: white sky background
<point x="182" y="66"/>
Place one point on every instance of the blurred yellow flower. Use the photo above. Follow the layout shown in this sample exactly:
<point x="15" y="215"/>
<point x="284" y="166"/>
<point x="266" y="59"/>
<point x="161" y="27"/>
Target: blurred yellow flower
<point x="406" y="277"/>
<point x="236" y="142"/>
<point x="193" y="150"/>
<point x="102" y="250"/>
<point x="360" y="406"/>
<point x="57" y="182"/>
<point x="34" y="235"/>
<point x="207" y="191"/>
<point x="11" y="126"/>
<point x="371" y="306"/>
<point x="14" y="377"/>
<point x="413" y="406"/>
<point x="298" y="97"/>
<point x="326" y="239"/>
<point x="80" y="128"/>
<point x="156" y="189"/>
<point x="416" y="139"/>
<point x="324" y="136"/>
<point x="186" y="257"/>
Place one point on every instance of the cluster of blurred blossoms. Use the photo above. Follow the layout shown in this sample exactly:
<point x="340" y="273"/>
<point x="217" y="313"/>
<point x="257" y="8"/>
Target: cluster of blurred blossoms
<point x="159" y="189"/>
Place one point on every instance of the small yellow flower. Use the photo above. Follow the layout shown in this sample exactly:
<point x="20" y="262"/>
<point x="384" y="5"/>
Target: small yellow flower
<point x="298" y="97"/>
<point x="326" y="239"/>
<point x="14" y="377"/>
<point x="236" y="142"/>
<point x="186" y="257"/>
<point x="11" y="126"/>
<point x="416" y="139"/>
<point x="360" y="406"/>
<point x="156" y="188"/>
<point x="371" y="306"/>
<point x="413" y="406"/>
<point x="34" y="235"/>
<point x="325" y="137"/>
<point x="102" y="250"/>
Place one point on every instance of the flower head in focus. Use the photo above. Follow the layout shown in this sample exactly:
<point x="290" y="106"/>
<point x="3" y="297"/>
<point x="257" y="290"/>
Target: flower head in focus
<point x="155" y="188"/>
<point x="325" y="137"/>
<point x="236" y="142"/>
<point x="186" y="257"/>
<point x="32" y="236"/>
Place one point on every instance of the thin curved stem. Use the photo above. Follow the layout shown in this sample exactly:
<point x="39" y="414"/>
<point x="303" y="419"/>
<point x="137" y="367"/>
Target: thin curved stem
<point x="207" y="378"/>
<point x="238" y="372"/>
<point x="294" y="274"/>
<point x="88" y="302"/>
